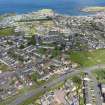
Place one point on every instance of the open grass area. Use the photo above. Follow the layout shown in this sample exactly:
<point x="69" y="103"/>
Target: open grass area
<point x="6" y="31"/>
<point x="88" y="58"/>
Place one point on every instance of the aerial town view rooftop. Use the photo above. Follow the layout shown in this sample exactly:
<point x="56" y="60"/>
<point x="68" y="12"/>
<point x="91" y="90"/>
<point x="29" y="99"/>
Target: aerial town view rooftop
<point x="52" y="52"/>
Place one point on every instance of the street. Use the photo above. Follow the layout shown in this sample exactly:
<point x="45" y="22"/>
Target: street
<point x="50" y="84"/>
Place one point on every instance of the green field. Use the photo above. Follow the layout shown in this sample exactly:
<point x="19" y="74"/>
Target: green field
<point x="6" y="31"/>
<point x="88" y="58"/>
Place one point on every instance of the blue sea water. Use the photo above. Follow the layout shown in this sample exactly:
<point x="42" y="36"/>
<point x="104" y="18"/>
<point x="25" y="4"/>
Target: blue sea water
<point x="69" y="7"/>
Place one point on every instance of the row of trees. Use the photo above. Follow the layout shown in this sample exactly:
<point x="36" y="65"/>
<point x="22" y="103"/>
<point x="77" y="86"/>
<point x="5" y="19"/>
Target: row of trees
<point x="78" y="84"/>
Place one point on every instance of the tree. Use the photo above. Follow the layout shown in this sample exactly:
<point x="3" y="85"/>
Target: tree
<point x="78" y="83"/>
<point x="22" y="46"/>
<point x="31" y="40"/>
<point x="35" y="77"/>
<point x="9" y="42"/>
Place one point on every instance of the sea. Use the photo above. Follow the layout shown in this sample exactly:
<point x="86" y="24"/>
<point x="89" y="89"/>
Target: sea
<point x="67" y="7"/>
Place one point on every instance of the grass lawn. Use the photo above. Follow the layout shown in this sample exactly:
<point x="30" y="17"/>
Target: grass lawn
<point x="88" y="58"/>
<point x="6" y="31"/>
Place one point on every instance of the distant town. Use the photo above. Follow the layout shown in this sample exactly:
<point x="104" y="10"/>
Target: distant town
<point x="51" y="59"/>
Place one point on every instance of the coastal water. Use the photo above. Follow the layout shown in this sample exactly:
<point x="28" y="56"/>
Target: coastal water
<point x="70" y="7"/>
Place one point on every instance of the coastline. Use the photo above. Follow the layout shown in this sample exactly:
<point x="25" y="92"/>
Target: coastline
<point x="60" y="14"/>
<point x="93" y="9"/>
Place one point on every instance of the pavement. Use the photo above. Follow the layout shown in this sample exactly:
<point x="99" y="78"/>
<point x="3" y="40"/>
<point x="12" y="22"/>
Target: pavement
<point x="50" y="84"/>
<point x="96" y="90"/>
<point x="89" y="70"/>
<point x="40" y="89"/>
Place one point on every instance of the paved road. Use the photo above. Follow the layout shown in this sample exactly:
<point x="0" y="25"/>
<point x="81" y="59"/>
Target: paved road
<point x="90" y="69"/>
<point x="32" y="93"/>
<point x="42" y="89"/>
<point x="96" y="90"/>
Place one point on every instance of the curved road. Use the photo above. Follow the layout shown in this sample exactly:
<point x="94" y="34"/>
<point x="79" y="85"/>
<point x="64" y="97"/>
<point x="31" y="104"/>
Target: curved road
<point x="50" y="84"/>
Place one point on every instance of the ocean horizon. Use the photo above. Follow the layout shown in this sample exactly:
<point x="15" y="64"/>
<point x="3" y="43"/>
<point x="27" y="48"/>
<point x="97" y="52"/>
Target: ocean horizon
<point x="67" y="7"/>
